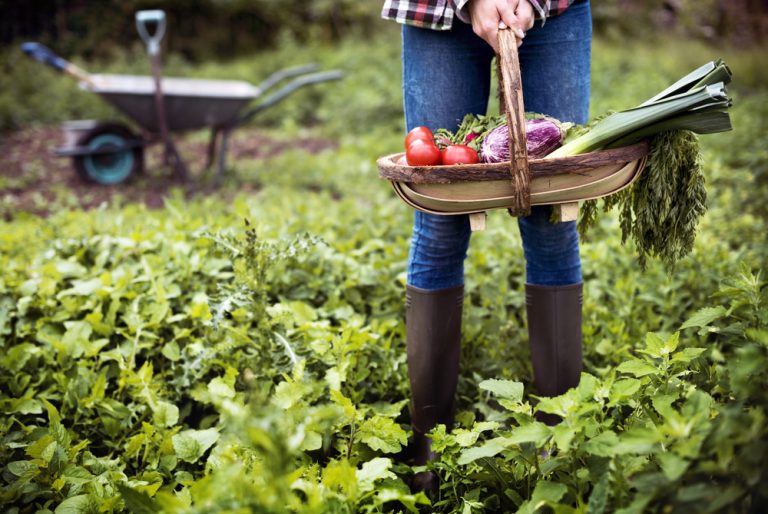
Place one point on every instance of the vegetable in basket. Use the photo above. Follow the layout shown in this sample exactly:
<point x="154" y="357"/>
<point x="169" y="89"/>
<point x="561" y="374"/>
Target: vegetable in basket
<point x="459" y="154"/>
<point x="423" y="153"/>
<point x="544" y="134"/>
<point x="422" y="149"/>
<point x="489" y="135"/>
<point x="661" y="210"/>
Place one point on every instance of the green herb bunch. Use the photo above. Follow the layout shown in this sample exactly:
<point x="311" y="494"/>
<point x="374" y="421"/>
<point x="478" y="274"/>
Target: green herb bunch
<point x="471" y="131"/>
<point x="662" y="210"/>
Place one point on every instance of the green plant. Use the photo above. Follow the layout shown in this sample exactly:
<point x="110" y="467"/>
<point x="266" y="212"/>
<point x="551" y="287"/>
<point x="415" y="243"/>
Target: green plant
<point x="180" y="360"/>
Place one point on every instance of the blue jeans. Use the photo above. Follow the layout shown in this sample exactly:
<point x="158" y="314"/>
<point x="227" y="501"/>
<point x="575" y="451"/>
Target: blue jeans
<point x="447" y="74"/>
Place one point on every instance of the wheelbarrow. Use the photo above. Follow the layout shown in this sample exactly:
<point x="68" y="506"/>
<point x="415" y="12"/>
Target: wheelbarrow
<point x="109" y="152"/>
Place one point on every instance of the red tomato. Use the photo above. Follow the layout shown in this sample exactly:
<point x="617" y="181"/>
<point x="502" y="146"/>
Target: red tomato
<point x="419" y="134"/>
<point x="422" y="153"/>
<point x="459" y="154"/>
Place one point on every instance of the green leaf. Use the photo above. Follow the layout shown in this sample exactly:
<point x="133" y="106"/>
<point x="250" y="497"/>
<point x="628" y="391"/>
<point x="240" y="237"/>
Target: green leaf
<point x="507" y="389"/>
<point x="637" y="441"/>
<point x="22" y="467"/>
<point x="303" y="312"/>
<point x="373" y="470"/>
<point x="409" y="501"/>
<point x="166" y="414"/>
<point x="333" y="378"/>
<point x="587" y="387"/>
<point x="704" y="317"/>
<point x="536" y="433"/>
<point x="340" y="475"/>
<point x="171" y="351"/>
<point x="80" y="504"/>
<point x="465" y="438"/>
<point x="137" y="502"/>
<point x="6" y="306"/>
<point x="638" y="504"/>
<point x="598" y="498"/>
<point x="653" y="344"/>
<point x="638" y="368"/>
<point x="76" y="339"/>
<point x="190" y="445"/>
<point x="337" y="397"/>
<point x="545" y="493"/>
<point x="602" y="445"/>
<point x="489" y="448"/>
<point x="37" y="449"/>
<point x="289" y="393"/>
<point x="82" y="288"/>
<point x="672" y="465"/>
<point x="70" y="269"/>
<point x="220" y="388"/>
<point x="312" y="441"/>
<point x="382" y="434"/>
<point x="17" y="356"/>
<point x="625" y="388"/>
<point x="562" y="435"/>
<point x="686" y="355"/>
<point x="27" y="406"/>
<point x="657" y="346"/>
<point x="663" y="405"/>
<point x="549" y="492"/>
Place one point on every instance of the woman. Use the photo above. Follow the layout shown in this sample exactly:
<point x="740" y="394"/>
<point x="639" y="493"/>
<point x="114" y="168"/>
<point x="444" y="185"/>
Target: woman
<point x="447" y="51"/>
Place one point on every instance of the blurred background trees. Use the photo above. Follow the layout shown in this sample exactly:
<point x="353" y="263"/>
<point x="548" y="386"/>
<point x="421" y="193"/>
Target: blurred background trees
<point x="204" y="29"/>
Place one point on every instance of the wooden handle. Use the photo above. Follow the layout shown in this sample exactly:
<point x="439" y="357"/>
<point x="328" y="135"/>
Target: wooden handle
<point x="511" y="92"/>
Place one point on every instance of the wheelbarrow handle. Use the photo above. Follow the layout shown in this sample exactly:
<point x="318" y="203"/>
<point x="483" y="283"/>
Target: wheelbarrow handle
<point x="152" y="40"/>
<point x="281" y="75"/>
<point x="45" y="55"/>
<point x="287" y="89"/>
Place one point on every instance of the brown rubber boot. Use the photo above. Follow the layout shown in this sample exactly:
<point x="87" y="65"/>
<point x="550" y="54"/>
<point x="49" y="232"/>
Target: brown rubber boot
<point x="554" y="334"/>
<point x="433" y="340"/>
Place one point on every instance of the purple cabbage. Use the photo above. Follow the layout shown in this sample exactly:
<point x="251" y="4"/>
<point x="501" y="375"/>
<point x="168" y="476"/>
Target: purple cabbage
<point x="543" y="134"/>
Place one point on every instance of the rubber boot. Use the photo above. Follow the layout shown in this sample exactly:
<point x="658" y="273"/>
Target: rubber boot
<point x="433" y="340"/>
<point x="554" y="335"/>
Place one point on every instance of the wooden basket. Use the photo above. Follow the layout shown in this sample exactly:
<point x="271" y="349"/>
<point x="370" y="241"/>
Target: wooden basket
<point x="518" y="184"/>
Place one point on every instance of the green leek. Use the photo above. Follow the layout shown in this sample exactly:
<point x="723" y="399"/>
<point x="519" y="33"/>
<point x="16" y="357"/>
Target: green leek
<point x="685" y="105"/>
<point x="662" y="209"/>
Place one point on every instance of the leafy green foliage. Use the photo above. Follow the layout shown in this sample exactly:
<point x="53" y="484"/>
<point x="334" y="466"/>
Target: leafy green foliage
<point x="650" y="432"/>
<point x="185" y="360"/>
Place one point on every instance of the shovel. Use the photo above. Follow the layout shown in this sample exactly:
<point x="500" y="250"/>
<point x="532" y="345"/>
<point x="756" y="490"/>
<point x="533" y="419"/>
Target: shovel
<point x="152" y="39"/>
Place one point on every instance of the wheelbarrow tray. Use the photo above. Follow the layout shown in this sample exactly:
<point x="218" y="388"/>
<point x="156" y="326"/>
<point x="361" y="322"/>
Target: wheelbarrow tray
<point x="190" y="104"/>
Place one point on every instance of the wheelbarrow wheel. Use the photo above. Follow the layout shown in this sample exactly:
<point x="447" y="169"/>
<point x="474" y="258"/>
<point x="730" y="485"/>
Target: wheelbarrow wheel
<point x="110" y="167"/>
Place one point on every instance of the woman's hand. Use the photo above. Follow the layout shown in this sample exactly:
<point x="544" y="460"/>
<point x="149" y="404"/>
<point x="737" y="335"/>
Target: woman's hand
<point x="490" y="15"/>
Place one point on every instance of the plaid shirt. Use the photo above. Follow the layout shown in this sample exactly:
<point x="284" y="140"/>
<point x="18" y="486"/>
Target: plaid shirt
<point x="439" y="14"/>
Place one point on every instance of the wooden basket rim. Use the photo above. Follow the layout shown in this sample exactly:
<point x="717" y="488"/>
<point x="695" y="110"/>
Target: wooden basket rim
<point x="390" y="168"/>
<point x="508" y="201"/>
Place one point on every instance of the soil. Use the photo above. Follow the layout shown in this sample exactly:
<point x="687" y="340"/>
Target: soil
<point x="34" y="180"/>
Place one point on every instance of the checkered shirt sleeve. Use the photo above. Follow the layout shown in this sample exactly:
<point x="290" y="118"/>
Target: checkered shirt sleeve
<point x="439" y="14"/>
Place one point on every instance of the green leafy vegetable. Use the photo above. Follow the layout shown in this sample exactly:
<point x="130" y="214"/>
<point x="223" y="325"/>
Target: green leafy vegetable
<point x="662" y="210"/>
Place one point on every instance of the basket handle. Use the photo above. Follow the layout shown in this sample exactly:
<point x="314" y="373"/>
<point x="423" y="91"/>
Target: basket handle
<point x="511" y="97"/>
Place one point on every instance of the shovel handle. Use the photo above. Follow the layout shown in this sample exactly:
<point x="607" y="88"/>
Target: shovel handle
<point x="45" y="55"/>
<point x="151" y="39"/>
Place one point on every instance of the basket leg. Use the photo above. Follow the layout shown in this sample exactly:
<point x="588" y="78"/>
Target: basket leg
<point x="477" y="221"/>
<point x="568" y="211"/>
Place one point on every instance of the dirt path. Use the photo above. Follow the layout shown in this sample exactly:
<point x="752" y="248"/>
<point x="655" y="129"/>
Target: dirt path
<point x="33" y="180"/>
